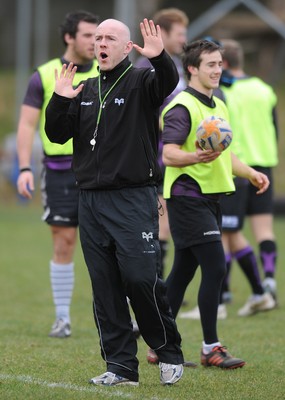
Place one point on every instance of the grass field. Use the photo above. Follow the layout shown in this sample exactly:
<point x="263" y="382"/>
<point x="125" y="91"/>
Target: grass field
<point x="34" y="366"/>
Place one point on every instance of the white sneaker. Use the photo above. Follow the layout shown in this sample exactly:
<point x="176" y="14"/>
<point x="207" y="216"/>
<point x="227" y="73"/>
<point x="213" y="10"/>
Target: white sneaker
<point x="222" y="311"/>
<point x="111" y="379"/>
<point x="256" y="303"/>
<point x="192" y="314"/>
<point x="60" y="329"/>
<point x="169" y="373"/>
<point x="195" y="313"/>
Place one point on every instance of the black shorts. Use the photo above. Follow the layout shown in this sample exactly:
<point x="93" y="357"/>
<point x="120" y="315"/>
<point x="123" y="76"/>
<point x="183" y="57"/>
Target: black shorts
<point x="60" y="196"/>
<point x="261" y="203"/>
<point x="193" y="220"/>
<point x="234" y="206"/>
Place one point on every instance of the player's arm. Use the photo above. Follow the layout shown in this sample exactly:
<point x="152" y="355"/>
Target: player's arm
<point x="28" y="121"/>
<point x="242" y="170"/>
<point x="177" y="124"/>
<point x="174" y="156"/>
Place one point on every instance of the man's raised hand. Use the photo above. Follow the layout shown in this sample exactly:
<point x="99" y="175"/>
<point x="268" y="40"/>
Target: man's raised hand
<point x="64" y="80"/>
<point x="153" y="44"/>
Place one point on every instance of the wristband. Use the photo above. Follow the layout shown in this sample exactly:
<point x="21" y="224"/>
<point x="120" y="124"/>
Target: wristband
<point x="25" y="169"/>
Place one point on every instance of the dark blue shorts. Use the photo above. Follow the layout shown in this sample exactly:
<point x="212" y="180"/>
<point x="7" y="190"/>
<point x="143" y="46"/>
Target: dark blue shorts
<point x="60" y="196"/>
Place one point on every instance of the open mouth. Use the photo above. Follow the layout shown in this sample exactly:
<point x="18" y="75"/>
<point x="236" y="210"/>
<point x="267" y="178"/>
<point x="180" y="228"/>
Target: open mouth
<point x="103" y="56"/>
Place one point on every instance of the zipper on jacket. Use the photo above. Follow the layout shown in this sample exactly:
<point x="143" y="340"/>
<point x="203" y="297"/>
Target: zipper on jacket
<point x="148" y="158"/>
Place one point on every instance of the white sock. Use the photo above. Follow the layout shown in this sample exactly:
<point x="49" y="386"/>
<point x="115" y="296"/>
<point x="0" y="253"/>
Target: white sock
<point x="62" y="283"/>
<point x="207" y="348"/>
<point x="257" y="297"/>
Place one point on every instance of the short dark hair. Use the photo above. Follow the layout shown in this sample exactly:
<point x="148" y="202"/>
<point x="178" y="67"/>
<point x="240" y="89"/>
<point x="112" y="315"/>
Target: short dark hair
<point x="166" y="17"/>
<point x="71" y="22"/>
<point x="192" y="53"/>
<point x="233" y="53"/>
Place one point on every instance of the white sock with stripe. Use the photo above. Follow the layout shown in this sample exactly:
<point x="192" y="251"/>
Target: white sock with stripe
<point x="62" y="283"/>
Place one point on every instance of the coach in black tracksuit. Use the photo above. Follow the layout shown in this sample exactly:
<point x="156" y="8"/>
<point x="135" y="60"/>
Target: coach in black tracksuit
<point x="113" y="120"/>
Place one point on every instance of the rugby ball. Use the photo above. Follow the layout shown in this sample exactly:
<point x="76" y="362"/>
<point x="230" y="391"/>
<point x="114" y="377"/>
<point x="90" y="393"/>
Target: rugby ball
<point x="214" y="133"/>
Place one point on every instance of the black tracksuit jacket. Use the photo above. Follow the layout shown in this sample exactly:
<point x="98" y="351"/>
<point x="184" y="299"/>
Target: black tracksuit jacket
<point x="125" y="154"/>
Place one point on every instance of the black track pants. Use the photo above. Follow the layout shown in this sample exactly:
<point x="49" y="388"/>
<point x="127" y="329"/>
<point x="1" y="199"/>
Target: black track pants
<point x="119" y="238"/>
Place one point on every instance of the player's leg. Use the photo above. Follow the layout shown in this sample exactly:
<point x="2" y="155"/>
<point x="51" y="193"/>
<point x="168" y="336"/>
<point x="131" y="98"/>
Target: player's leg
<point x="212" y="274"/>
<point x="262" y="228"/>
<point x="233" y="212"/>
<point x="62" y="277"/>
<point x="60" y="200"/>
<point x="181" y="274"/>
<point x="245" y="256"/>
<point x="260" y="212"/>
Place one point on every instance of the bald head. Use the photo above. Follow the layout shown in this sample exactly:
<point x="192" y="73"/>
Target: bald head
<point x="116" y="26"/>
<point x="112" y="43"/>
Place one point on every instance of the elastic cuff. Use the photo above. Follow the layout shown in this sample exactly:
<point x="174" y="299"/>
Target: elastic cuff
<point x="25" y="169"/>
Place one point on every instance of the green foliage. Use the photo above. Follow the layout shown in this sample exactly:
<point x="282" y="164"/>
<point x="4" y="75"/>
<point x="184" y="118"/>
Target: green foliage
<point x="35" y="367"/>
<point x="7" y="103"/>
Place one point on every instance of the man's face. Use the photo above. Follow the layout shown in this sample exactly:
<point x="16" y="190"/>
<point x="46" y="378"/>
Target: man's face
<point x="175" y="39"/>
<point x="83" y="44"/>
<point x="209" y="72"/>
<point x="112" y="44"/>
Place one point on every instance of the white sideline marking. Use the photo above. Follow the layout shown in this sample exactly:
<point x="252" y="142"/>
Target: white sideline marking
<point x="68" y="386"/>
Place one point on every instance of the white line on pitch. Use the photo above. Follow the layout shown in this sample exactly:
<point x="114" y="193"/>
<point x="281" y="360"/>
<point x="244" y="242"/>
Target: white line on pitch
<point x="68" y="386"/>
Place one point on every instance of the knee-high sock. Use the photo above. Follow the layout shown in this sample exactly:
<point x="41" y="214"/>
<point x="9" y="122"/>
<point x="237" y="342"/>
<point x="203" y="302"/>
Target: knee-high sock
<point x="62" y="283"/>
<point x="268" y="257"/>
<point x="248" y="263"/>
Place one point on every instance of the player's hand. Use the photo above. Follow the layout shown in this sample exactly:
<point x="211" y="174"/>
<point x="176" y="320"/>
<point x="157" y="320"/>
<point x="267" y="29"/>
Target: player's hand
<point x="25" y="184"/>
<point x="64" y="80"/>
<point x="153" y="44"/>
<point x="205" y="156"/>
<point x="259" y="180"/>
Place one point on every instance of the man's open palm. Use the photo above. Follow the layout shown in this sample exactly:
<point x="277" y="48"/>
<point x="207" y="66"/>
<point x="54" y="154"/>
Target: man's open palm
<point x="64" y="80"/>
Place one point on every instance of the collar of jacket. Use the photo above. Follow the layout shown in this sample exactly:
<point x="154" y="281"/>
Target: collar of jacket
<point x="114" y="74"/>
